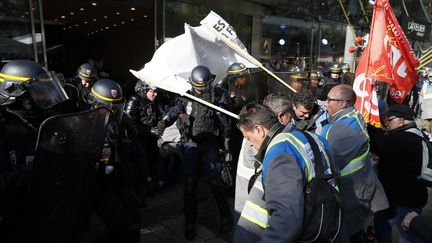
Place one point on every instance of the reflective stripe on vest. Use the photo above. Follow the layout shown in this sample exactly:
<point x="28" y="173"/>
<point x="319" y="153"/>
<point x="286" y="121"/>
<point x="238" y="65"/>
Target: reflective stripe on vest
<point x="304" y="150"/>
<point x="255" y="214"/>
<point x="357" y="163"/>
<point x="246" y="173"/>
<point x="300" y="147"/>
<point x="242" y="170"/>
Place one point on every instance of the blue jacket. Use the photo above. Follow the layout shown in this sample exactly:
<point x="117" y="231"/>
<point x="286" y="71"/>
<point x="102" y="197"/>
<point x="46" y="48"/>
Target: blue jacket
<point x="286" y="168"/>
<point x="360" y="189"/>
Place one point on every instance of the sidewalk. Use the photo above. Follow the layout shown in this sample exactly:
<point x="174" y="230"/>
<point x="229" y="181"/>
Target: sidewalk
<point x="162" y="221"/>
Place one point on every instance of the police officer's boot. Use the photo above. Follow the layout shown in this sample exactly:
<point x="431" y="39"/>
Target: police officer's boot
<point x="219" y="190"/>
<point x="190" y="207"/>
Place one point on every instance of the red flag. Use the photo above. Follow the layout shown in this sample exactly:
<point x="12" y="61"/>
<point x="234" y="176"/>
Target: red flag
<point x="388" y="57"/>
<point x="364" y="86"/>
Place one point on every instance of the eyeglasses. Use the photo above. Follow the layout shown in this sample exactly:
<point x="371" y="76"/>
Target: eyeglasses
<point x="388" y="120"/>
<point x="332" y="99"/>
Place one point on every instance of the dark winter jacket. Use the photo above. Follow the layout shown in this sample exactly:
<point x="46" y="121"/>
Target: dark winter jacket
<point x="400" y="161"/>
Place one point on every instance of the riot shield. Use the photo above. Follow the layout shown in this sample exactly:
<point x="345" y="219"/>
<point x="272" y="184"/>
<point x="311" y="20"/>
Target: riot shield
<point x="259" y="79"/>
<point x="59" y="196"/>
<point x="276" y="87"/>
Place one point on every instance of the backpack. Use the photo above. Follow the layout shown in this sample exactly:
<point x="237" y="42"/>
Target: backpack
<point x="322" y="208"/>
<point x="426" y="169"/>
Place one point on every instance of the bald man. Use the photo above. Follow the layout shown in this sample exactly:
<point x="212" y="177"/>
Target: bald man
<point x="345" y="130"/>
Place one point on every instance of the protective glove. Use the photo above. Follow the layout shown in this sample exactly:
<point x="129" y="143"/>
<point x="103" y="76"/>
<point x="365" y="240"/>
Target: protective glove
<point x="228" y="157"/>
<point x="156" y="131"/>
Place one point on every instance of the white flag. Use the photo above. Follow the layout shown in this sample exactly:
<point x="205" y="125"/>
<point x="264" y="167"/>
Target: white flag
<point x="172" y="63"/>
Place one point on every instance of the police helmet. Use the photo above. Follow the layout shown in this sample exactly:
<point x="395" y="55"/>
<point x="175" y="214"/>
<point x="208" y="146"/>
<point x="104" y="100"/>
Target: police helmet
<point x="107" y="93"/>
<point x="88" y="72"/>
<point x="238" y="69"/>
<point x="295" y="69"/>
<point x="336" y="68"/>
<point x="346" y="67"/>
<point x="298" y="76"/>
<point x="19" y="76"/>
<point x="313" y="74"/>
<point x="143" y="87"/>
<point x="201" y="78"/>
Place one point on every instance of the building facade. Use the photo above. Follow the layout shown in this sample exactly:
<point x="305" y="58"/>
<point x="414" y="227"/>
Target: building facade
<point x="124" y="34"/>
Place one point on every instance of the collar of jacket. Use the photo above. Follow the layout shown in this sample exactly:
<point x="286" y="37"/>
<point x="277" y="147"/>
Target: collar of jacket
<point x="340" y="113"/>
<point x="275" y="130"/>
<point x="403" y="128"/>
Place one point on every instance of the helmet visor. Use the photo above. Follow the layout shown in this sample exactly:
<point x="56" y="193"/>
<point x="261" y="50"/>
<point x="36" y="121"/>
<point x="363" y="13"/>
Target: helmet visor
<point x="46" y="90"/>
<point x="115" y="108"/>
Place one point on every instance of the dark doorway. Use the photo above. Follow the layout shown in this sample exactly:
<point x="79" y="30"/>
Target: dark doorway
<point x="119" y="34"/>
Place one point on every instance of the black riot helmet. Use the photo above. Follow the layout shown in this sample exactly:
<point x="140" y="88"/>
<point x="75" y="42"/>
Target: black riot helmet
<point x="88" y="72"/>
<point x="295" y="69"/>
<point x="44" y="87"/>
<point x="346" y="67"/>
<point x="201" y="78"/>
<point x="143" y="87"/>
<point x="238" y="69"/>
<point x="335" y="68"/>
<point x="107" y="93"/>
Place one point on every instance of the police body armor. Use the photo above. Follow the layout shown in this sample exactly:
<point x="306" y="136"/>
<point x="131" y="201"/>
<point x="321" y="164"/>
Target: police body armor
<point x="348" y="78"/>
<point x="58" y="201"/>
<point x="329" y="83"/>
<point x="200" y="123"/>
<point x="17" y="140"/>
<point x="145" y="113"/>
<point x="118" y="153"/>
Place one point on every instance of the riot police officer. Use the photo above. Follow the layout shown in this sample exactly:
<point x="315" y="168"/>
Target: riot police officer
<point x="203" y="130"/>
<point x="144" y="109"/>
<point x="116" y="202"/>
<point x="347" y="75"/>
<point x="335" y="78"/>
<point x="79" y="89"/>
<point x="26" y="90"/>
<point x="241" y="89"/>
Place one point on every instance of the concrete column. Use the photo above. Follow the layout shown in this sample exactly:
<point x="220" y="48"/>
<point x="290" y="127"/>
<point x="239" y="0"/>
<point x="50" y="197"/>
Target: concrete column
<point x="349" y="41"/>
<point x="256" y="35"/>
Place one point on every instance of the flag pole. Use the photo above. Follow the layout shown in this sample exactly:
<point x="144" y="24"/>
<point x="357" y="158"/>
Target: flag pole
<point x="368" y="54"/>
<point x="204" y="102"/>
<point x="247" y="56"/>
<point x="174" y="89"/>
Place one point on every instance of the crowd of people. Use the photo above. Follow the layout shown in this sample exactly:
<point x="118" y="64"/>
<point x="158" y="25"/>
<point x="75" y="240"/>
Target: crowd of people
<point x="294" y="159"/>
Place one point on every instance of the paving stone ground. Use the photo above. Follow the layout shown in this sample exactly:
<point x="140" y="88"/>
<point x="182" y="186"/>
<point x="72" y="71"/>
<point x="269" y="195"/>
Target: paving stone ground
<point x="162" y="221"/>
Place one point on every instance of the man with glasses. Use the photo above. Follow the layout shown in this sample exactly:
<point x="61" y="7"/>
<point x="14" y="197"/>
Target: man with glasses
<point x="360" y="189"/>
<point x="425" y="101"/>
<point x="400" y="153"/>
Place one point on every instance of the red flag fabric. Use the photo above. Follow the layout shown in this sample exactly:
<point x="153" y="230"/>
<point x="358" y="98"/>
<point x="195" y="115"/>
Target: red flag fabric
<point x="364" y="86"/>
<point x="388" y="57"/>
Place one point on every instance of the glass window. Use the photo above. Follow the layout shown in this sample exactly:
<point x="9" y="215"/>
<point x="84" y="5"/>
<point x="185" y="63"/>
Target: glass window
<point x="178" y="13"/>
<point x="16" y="40"/>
